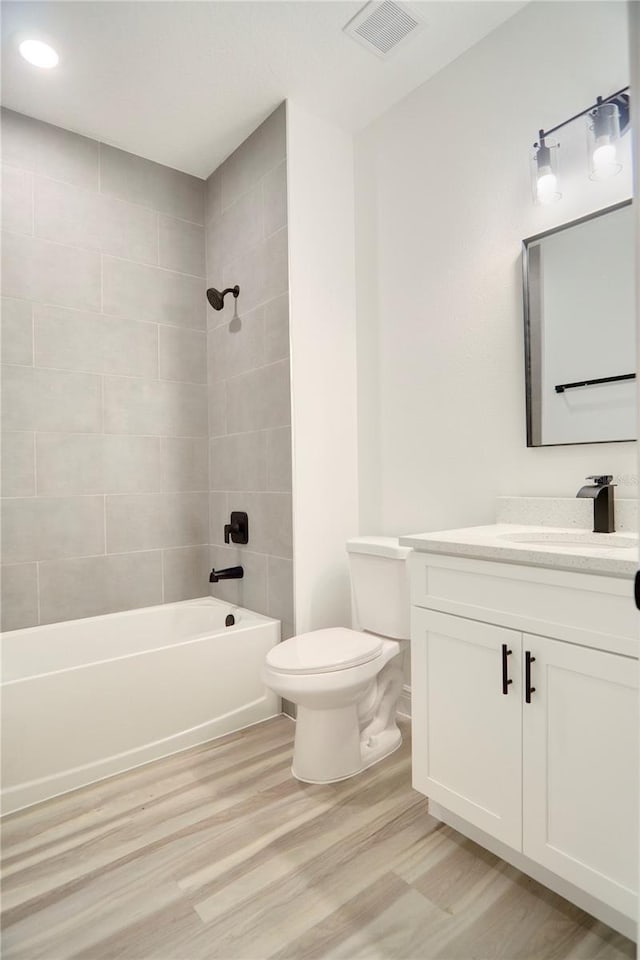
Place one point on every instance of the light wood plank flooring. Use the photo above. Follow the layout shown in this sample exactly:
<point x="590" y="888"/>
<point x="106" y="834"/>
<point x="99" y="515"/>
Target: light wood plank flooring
<point x="218" y="853"/>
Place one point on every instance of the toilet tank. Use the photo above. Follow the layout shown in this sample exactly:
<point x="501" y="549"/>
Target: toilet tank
<point x="379" y="586"/>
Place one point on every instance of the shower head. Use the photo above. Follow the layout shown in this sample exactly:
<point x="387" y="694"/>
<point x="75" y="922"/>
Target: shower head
<point x="216" y="299"/>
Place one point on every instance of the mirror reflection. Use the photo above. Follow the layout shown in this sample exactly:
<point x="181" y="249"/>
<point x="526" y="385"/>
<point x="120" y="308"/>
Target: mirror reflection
<point x="580" y="331"/>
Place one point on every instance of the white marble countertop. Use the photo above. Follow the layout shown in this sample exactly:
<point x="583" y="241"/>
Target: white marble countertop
<point x="563" y="512"/>
<point x="506" y="543"/>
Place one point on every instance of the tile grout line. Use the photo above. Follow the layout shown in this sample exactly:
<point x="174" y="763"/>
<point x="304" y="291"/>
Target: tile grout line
<point x="151" y="266"/>
<point x="139" y="378"/>
<point x="35" y="465"/>
<point x="116" y="316"/>
<point x="122" y="553"/>
<point x="104" y="524"/>
<point x="154" y="493"/>
<point x="33" y="337"/>
<point x="38" y="590"/>
<point x="111" y="196"/>
<point x="111" y="256"/>
<point x="250" y="248"/>
<point x="144" y="493"/>
<point x="254" y="185"/>
<point x="131" y="436"/>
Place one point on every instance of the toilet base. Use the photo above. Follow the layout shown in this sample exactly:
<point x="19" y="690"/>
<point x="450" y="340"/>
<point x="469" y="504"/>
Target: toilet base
<point x="376" y="749"/>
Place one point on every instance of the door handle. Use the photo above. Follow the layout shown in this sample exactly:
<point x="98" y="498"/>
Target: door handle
<point x="505" y="669"/>
<point x="636" y="589"/>
<point x="528" y="689"/>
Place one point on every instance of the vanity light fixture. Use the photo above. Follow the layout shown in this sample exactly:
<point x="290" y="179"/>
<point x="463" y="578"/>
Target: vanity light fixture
<point x="607" y="120"/>
<point x="39" y="54"/>
<point x="603" y="134"/>
<point x="544" y="170"/>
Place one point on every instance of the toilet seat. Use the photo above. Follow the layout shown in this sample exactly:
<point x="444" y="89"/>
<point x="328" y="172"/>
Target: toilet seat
<point x="324" y="651"/>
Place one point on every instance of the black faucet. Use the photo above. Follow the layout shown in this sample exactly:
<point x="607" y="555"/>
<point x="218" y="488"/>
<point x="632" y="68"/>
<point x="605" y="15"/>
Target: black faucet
<point x="601" y="490"/>
<point x="229" y="573"/>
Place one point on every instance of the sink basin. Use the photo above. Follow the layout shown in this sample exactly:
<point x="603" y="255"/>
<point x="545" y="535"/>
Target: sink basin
<point x="583" y="539"/>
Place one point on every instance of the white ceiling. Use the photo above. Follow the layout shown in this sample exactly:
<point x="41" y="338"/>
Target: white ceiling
<point x="185" y="82"/>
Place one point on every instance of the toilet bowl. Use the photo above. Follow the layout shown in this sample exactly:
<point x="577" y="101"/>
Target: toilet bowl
<point x="346" y="682"/>
<point x="345" y="719"/>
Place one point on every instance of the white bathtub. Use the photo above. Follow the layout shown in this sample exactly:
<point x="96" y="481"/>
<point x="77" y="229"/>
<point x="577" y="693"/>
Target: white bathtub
<point x="89" y="698"/>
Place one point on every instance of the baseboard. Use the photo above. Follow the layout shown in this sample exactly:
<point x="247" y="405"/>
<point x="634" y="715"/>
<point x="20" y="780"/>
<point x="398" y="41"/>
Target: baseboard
<point x="289" y="709"/>
<point x="404" y="703"/>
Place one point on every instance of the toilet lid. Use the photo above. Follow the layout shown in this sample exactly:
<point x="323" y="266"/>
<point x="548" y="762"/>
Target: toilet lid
<point x="323" y="651"/>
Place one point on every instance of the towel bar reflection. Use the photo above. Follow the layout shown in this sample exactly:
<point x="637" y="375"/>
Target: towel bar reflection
<point x="561" y="387"/>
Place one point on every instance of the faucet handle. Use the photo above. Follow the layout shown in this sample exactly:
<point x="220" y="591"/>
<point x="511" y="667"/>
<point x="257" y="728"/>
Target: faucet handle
<point x="602" y="481"/>
<point x="238" y="529"/>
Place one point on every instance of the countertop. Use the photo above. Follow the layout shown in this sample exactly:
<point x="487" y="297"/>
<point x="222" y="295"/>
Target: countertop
<point x="493" y="543"/>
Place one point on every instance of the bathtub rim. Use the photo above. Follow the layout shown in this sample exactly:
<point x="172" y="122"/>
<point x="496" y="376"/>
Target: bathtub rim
<point x="252" y="621"/>
<point x="141" y="610"/>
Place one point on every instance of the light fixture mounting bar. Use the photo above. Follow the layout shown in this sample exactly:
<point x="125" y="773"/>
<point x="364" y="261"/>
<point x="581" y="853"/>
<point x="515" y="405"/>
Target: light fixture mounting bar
<point x="547" y="133"/>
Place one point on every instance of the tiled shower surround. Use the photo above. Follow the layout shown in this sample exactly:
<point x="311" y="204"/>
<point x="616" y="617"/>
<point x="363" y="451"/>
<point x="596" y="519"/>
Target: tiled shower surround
<point x="249" y="383"/>
<point x="105" y="456"/>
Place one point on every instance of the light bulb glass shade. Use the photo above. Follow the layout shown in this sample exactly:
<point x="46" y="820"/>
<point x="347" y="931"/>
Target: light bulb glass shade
<point x="39" y="54"/>
<point x="545" y="182"/>
<point x="603" y="141"/>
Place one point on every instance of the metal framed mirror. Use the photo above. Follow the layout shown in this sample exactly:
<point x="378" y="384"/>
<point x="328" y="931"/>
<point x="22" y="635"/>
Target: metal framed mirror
<point x="580" y="340"/>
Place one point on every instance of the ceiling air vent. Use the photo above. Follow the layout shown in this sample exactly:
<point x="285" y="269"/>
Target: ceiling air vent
<point x="381" y="27"/>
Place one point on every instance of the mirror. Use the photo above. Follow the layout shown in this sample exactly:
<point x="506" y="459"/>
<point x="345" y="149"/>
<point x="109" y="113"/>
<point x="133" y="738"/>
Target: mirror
<point x="580" y="343"/>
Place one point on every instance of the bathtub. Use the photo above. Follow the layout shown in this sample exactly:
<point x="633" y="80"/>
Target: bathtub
<point x="85" y="699"/>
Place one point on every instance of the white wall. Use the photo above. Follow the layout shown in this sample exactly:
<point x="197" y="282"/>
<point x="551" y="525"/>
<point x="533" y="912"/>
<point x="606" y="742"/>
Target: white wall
<point x="323" y="366"/>
<point x="443" y="201"/>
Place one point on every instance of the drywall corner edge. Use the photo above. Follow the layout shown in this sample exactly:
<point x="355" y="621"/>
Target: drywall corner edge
<point x="322" y="330"/>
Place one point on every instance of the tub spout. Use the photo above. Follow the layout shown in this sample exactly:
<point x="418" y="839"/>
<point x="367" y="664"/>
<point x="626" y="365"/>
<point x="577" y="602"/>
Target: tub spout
<point x="229" y="573"/>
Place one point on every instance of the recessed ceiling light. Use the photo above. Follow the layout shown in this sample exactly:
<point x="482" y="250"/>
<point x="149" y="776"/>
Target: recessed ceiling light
<point x="39" y="54"/>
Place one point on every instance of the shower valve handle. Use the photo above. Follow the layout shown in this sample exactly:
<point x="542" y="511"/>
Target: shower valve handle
<point x="231" y="530"/>
<point x="237" y="531"/>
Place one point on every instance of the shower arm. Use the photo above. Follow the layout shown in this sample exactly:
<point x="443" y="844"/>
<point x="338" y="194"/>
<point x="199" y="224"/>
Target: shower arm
<point x="234" y="290"/>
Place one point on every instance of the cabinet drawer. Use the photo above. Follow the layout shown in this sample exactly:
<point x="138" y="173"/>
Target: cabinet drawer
<point x="589" y="610"/>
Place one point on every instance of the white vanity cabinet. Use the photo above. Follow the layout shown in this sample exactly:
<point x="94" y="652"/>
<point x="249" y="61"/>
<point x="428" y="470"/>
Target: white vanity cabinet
<point x="467" y="748"/>
<point x="579" y="768"/>
<point x="551" y="776"/>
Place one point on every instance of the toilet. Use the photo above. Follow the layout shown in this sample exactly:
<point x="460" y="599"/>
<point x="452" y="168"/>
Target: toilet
<point x="346" y="682"/>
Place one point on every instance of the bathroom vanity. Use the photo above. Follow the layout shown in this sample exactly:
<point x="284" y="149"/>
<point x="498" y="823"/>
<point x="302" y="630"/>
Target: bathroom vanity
<point x="524" y="648"/>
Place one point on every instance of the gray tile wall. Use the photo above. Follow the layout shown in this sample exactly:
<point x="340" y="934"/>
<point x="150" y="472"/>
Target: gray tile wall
<point x="248" y="370"/>
<point x="104" y="396"/>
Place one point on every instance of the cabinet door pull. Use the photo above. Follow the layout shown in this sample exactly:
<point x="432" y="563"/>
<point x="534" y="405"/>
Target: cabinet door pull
<point x="528" y="689"/>
<point x="505" y="669"/>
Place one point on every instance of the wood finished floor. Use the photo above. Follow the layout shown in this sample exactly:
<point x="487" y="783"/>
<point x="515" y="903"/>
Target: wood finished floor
<point x="218" y="853"/>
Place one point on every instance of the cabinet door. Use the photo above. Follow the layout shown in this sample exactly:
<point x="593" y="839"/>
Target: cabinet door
<point x="466" y="731"/>
<point x="580" y="773"/>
